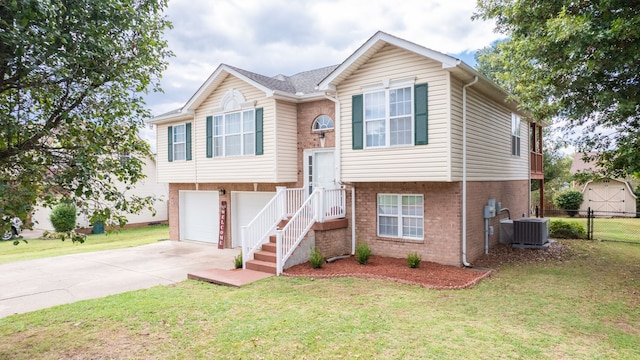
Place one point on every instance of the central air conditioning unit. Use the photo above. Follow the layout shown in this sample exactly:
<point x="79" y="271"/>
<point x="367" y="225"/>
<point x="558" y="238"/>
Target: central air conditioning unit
<point x="531" y="233"/>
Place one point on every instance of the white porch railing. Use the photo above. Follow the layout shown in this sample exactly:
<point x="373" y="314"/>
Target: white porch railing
<point x="290" y="236"/>
<point x="285" y="203"/>
<point x="333" y="205"/>
<point x="303" y="211"/>
<point x="321" y="205"/>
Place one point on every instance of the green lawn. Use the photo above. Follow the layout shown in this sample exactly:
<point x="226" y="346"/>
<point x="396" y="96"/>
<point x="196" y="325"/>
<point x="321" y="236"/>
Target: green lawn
<point x="617" y="229"/>
<point x="582" y="308"/>
<point x="36" y="249"/>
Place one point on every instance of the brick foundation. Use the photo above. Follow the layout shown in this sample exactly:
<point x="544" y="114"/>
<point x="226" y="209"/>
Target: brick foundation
<point x="442" y="217"/>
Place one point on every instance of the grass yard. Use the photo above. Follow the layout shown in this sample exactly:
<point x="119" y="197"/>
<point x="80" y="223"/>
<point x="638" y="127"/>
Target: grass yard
<point x="582" y="308"/>
<point x="36" y="248"/>
<point x="614" y="229"/>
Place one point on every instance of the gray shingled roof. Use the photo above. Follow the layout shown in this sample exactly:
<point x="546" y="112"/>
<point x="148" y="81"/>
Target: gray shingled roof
<point x="301" y="83"/>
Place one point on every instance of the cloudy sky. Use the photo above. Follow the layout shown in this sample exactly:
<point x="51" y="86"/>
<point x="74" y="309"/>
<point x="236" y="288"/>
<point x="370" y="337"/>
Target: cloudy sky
<point x="273" y="37"/>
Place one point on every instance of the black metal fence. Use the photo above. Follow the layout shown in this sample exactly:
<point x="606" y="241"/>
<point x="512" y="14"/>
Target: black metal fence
<point x="603" y="225"/>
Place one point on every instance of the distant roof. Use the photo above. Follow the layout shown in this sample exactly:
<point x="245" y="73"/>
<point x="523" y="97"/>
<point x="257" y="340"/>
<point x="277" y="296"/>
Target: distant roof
<point x="579" y="165"/>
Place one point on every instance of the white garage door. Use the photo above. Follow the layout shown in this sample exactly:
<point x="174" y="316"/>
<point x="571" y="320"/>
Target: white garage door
<point x="199" y="216"/>
<point x="245" y="207"/>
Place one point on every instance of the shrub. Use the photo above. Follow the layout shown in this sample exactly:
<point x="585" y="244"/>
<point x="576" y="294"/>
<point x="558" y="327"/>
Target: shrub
<point x="363" y="253"/>
<point x="570" y="201"/>
<point x="413" y="260"/>
<point x="566" y="230"/>
<point x="315" y="259"/>
<point x="63" y="217"/>
<point x="237" y="261"/>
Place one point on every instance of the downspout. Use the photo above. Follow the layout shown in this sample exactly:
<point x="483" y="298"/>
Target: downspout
<point x="193" y="148"/>
<point x="337" y="152"/>
<point x="353" y="219"/>
<point x="464" y="172"/>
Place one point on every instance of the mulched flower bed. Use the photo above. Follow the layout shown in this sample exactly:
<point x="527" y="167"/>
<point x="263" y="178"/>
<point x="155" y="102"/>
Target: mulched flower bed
<point x="429" y="274"/>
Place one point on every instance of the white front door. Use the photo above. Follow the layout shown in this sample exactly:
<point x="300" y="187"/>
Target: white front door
<point x="319" y="169"/>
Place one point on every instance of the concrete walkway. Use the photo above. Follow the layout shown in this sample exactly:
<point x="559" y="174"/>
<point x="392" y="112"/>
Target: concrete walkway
<point x="36" y="284"/>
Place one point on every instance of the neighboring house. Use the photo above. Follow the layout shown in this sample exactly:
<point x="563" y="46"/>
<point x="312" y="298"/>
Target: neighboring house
<point x="401" y="147"/>
<point x="605" y="196"/>
<point x="146" y="187"/>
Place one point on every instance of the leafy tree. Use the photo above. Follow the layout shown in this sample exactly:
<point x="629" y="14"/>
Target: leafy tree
<point x="577" y="60"/>
<point x="72" y="75"/>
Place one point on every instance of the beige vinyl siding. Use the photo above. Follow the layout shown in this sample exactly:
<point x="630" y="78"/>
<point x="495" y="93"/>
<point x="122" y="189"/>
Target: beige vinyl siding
<point x="176" y="171"/>
<point x="488" y="139"/>
<point x="407" y="163"/>
<point x="286" y="142"/>
<point x="246" y="168"/>
<point x="241" y="169"/>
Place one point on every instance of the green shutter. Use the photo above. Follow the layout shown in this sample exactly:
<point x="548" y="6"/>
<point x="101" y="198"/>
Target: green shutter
<point x="356" y="122"/>
<point x="421" y="115"/>
<point x="209" y="136"/>
<point x="259" y="132"/>
<point x="188" y="138"/>
<point x="170" y="143"/>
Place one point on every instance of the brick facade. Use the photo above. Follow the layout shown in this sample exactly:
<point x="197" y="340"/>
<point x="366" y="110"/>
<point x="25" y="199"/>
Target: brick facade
<point x="442" y="217"/>
<point x="174" y="202"/>
<point x="307" y="138"/>
<point x="442" y="213"/>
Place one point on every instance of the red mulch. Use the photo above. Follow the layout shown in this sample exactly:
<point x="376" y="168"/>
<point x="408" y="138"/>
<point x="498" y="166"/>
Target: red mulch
<point x="430" y="274"/>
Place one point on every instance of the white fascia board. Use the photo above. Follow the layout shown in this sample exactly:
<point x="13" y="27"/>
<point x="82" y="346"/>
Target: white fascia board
<point x="181" y="115"/>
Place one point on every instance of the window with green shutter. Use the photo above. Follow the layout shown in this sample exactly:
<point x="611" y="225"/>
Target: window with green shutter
<point x="188" y="141"/>
<point x="421" y="114"/>
<point x="393" y="116"/>
<point x="259" y="131"/>
<point x="209" y="134"/>
<point x="170" y="144"/>
<point x="179" y="142"/>
<point x="356" y="122"/>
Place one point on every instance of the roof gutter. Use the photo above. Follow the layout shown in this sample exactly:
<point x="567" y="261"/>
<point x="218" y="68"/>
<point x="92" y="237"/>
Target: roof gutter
<point x="464" y="171"/>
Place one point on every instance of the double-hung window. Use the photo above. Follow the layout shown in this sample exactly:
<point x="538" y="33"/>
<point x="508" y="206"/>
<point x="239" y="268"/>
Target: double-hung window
<point x="388" y="116"/>
<point x="515" y="135"/>
<point x="179" y="142"/>
<point x="401" y="216"/>
<point x="234" y="133"/>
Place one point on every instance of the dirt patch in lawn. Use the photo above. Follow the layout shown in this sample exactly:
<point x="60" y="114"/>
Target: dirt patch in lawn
<point x="430" y="274"/>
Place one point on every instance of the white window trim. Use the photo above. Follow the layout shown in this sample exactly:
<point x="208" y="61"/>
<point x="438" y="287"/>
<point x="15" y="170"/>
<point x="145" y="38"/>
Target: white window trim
<point x="174" y="142"/>
<point x="313" y="125"/>
<point x="399" y="216"/>
<point x="387" y="88"/>
<point x="516" y="136"/>
<point x="224" y="135"/>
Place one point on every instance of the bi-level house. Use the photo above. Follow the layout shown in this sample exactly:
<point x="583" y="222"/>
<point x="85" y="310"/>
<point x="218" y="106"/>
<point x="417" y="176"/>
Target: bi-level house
<point x="399" y="147"/>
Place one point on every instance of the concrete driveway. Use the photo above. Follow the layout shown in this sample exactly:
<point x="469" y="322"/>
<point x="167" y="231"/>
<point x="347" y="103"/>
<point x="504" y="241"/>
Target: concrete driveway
<point x="36" y="284"/>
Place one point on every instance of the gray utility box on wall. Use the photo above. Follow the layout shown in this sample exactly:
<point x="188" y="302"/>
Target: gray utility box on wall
<point x="531" y="233"/>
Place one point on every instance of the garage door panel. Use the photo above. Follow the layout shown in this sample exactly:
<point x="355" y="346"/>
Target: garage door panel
<point x="245" y="207"/>
<point x="199" y="216"/>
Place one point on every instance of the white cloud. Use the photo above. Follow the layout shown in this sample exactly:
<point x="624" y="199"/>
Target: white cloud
<point x="284" y="36"/>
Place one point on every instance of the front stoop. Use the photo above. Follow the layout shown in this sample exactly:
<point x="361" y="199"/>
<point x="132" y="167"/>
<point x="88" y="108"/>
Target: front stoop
<point x="265" y="260"/>
<point x="235" y="278"/>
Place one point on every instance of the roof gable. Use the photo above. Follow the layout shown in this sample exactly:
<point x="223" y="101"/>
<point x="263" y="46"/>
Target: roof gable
<point x="372" y="46"/>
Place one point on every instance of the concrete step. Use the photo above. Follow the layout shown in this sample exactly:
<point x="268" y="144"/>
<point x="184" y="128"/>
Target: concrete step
<point x="265" y="256"/>
<point x="257" y="265"/>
